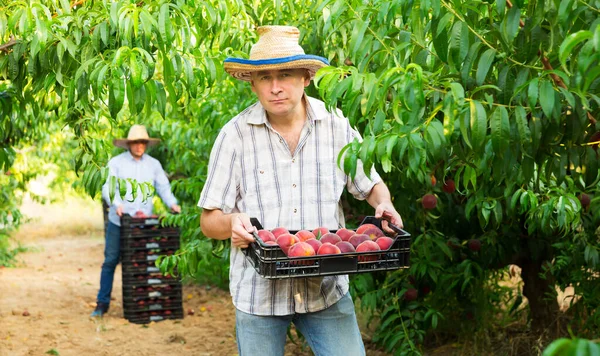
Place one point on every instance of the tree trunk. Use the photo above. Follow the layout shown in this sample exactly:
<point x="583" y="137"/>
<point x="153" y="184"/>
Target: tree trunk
<point x="543" y="309"/>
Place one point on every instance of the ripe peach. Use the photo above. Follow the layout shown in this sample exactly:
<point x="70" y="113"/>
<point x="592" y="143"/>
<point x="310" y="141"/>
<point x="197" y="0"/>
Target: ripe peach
<point x="345" y="246"/>
<point x="367" y="246"/>
<point x="345" y="234"/>
<point x="331" y="238"/>
<point x="320" y="231"/>
<point x="374" y="233"/>
<point x="304" y="235"/>
<point x="301" y="249"/>
<point x="266" y="235"/>
<point x="314" y="243"/>
<point x="356" y="239"/>
<point x="449" y="186"/>
<point x="328" y="249"/>
<point x="285" y="241"/>
<point x="411" y="294"/>
<point x="474" y="245"/>
<point x="279" y="231"/>
<point x="361" y="229"/>
<point x="429" y="201"/>
<point x="384" y="242"/>
<point x="585" y="200"/>
<point x="433" y="180"/>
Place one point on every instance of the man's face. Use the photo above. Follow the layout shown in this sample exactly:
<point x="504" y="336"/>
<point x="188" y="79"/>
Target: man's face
<point x="137" y="148"/>
<point x="280" y="91"/>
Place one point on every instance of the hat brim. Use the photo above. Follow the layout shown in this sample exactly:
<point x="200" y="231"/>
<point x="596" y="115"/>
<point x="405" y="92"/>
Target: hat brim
<point x="124" y="143"/>
<point x="242" y="69"/>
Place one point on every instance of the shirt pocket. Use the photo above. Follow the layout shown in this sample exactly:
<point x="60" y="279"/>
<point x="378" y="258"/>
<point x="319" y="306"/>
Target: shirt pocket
<point x="261" y="191"/>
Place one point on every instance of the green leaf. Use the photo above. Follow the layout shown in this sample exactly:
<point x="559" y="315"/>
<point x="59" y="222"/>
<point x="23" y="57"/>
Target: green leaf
<point x="500" y="128"/>
<point x="532" y="93"/>
<point x="478" y="124"/>
<point x="558" y="347"/>
<point x="569" y="43"/>
<point x="483" y="67"/>
<point x="501" y="6"/>
<point x="511" y="24"/>
<point x="116" y="96"/>
<point x="547" y="98"/>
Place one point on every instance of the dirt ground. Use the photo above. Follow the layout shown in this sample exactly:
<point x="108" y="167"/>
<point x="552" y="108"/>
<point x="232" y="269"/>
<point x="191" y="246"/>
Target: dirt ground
<point x="46" y="300"/>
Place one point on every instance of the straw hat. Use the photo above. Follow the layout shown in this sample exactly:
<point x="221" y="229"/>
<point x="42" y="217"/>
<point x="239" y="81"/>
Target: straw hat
<point x="136" y="133"/>
<point x="277" y="48"/>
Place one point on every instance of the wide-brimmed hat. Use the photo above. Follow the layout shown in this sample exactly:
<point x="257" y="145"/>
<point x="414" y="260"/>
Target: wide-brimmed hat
<point x="277" y="48"/>
<point x="136" y="133"/>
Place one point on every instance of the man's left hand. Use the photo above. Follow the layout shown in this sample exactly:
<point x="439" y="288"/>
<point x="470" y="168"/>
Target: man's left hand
<point x="387" y="212"/>
<point x="176" y="208"/>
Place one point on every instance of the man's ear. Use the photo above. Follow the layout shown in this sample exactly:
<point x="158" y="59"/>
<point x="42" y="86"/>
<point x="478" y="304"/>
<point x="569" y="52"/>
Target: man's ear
<point x="306" y="78"/>
<point x="252" y="85"/>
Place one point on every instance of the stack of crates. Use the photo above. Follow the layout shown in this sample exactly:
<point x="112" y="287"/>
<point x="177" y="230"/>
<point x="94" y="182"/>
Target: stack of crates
<point x="148" y="295"/>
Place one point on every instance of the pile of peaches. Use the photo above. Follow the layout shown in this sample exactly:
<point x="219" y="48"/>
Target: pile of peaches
<point x="320" y="241"/>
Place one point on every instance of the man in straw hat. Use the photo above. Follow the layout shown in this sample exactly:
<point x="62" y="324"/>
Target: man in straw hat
<point x="137" y="165"/>
<point x="276" y="161"/>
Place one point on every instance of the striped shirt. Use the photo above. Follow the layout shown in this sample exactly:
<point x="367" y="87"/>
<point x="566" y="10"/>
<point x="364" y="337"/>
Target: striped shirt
<point x="252" y="171"/>
<point x="146" y="169"/>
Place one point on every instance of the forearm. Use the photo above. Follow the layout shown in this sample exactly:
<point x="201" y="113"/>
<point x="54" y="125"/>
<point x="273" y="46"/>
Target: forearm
<point x="215" y="224"/>
<point x="379" y="194"/>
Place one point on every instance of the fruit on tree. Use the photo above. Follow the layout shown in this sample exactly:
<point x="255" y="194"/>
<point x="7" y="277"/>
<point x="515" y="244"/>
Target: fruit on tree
<point x="433" y="180"/>
<point x="429" y="201"/>
<point x="411" y="294"/>
<point x="585" y="200"/>
<point x="449" y="186"/>
<point x="474" y="245"/>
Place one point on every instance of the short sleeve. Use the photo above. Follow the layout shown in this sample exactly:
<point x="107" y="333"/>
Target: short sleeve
<point x="360" y="187"/>
<point x="220" y="188"/>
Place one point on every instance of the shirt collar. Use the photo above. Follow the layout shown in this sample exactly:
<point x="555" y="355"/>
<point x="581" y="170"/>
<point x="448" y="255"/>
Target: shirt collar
<point x="130" y="156"/>
<point x="258" y="116"/>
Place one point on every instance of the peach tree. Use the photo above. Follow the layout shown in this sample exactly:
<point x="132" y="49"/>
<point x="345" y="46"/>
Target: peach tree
<point x="481" y="116"/>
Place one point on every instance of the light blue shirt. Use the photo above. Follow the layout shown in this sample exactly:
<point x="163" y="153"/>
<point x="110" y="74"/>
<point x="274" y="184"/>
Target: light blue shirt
<point x="146" y="169"/>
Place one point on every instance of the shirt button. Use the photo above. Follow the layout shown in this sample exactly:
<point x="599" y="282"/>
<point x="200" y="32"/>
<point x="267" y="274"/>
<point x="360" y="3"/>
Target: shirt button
<point x="295" y="210"/>
<point x="281" y="140"/>
<point x="294" y="185"/>
<point x="293" y="160"/>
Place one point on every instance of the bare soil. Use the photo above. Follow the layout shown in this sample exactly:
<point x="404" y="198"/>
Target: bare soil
<point x="45" y="301"/>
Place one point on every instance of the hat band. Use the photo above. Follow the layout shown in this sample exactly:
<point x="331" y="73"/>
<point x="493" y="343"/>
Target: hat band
<point x="259" y="62"/>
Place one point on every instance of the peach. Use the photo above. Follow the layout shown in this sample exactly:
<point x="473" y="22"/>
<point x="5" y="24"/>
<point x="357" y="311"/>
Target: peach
<point x="328" y="249"/>
<point x="279" y="231"/>
<point x="361" y="229"/>
<point x="320" y="231"/>
<point x="374" y="233"/>
<point x="304" y="235"/>
<point x="273" y="243"/>
<point x="345" y="246"/>
<point x="384" y="242"/>
<point x="449" y="186"/>
<point x="429" y="201"/>
<point x="331" y="238"/>
<point x="314" y="243"/>
<point x="356" y="239"/>
<point x="285" y="241"/>
<point x="367" y="246"/>
<point x="345" y="234"/>
<point x="266" y="235"/>
<point x="301" y="249"/>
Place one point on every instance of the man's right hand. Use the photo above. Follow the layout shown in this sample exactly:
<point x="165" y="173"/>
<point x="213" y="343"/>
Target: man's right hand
<point x="241" y="230"/>
<point x="120" y="210"/>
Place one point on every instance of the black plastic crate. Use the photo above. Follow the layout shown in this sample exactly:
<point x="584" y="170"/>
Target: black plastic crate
<point x="139" y="267"/>
<point x="148" y="243"/>
<point x="150" y="255"/>
<point x="148" y="278"/>
<point x="151" y="304"/>
<point x="146" y="317"/>
<point x="271" y="262"/>
<point x="135" y="290"/>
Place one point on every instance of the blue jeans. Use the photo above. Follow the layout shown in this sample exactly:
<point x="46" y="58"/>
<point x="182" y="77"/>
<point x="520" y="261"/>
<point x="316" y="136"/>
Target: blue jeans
<point x="112" y="251"/>
<point x="329" y="332"/>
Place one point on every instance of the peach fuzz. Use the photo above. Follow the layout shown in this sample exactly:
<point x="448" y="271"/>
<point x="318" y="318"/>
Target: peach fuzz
<point x="301" y="249"/>
<point x="285" y="241"/>
<point x="328" y="249"/>
<point x="345" y="234"/>
<point x="279" y="231"/>
<point x="385" y="242"/>
<point x="356" y="239"/>
<point x="331" y="238"/>
<point x="361" y="229"/>
<point x="266" y="235"/>
<point x="314" y="243"/>
<point x="345" y="246"/>
<point x="304" y="235"/>
<point x="374" y="233"/>
<point x="320" y="231"/>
